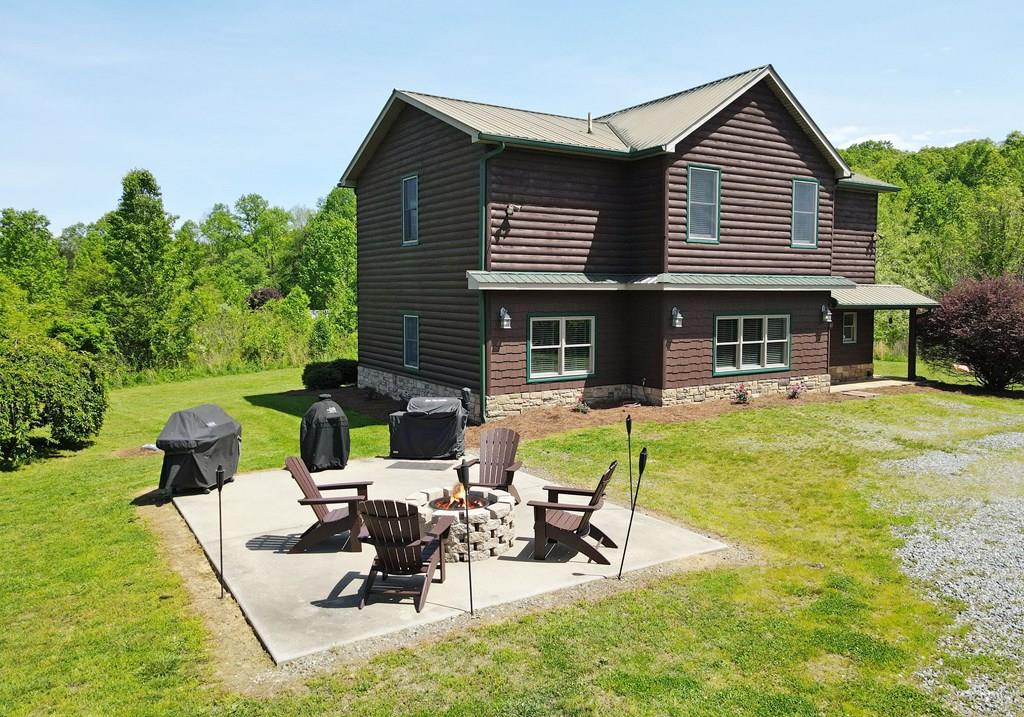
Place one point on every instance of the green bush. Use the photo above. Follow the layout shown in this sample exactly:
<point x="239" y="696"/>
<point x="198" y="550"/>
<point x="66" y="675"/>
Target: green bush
<point x="329" y="374"/>
<point x="43" y="384"/>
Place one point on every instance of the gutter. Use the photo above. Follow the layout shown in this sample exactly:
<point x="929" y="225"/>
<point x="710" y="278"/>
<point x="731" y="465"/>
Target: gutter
<point x="484" y="222"/>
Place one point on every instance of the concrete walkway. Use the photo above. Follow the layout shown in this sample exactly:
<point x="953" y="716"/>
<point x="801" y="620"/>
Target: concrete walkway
<point x="305" y="603"/>
<point x="869" y="384"/>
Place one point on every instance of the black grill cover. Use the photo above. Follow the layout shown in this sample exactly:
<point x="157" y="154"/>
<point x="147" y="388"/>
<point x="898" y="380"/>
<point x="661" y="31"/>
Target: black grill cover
<point x="323" y="436"/>
<point x="195" y="441"/>
<point x="429" y="428"/>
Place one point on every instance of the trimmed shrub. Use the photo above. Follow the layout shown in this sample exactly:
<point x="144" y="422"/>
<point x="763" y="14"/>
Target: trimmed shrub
<point x="979" y="324"/>
<point x="42" y="384"/>
<point x="329" y="374"/>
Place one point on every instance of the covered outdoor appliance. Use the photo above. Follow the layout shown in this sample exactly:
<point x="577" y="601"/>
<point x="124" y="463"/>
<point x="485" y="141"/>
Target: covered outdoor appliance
<point x="323" y="436"/>
<point x="430" y="428"/>
<point x="195" y="441"/>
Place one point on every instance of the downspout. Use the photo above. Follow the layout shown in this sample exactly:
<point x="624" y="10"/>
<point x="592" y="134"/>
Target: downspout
<point x="484" y="233"/>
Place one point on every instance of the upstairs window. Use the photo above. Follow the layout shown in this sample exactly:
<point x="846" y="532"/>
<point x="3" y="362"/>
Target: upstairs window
<point x="751" y="343"/>
<point x="849" y="327"/>
<point x="561" y="346"/>
<point x="804" y="231"/>
<point x="410" y="210"/>
<point x="411" y="341"/>
<point x="702" y="203"/>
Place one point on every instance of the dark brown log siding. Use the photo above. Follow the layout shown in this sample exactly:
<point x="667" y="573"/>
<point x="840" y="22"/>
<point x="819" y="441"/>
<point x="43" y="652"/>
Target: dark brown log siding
<point x="853" y="248"/>
<point x="688" y="350"/>
<point x="506" y="348"/>
<point x="574" y="213"/>
<point x="858" y="353"/>
<point x="430" y="278"/>
<point x="760" y="149"/>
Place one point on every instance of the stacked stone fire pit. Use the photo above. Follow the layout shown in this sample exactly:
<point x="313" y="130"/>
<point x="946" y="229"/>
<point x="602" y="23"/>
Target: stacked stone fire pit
<point x="491" y="520"/>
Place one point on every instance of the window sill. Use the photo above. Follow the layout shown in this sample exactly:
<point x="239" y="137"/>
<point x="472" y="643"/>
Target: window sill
<point x="563" y="379"/>
<point x="748" y="371"/>
<point x="699" y="240"/>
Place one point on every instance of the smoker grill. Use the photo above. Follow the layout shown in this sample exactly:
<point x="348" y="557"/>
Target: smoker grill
<point x="323" y="436"/>
<point x="430" y="428"/>
<point x="195" y="441"/>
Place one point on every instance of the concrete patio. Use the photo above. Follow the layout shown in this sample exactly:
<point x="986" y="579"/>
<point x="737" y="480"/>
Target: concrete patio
<point x="305" y="603"/>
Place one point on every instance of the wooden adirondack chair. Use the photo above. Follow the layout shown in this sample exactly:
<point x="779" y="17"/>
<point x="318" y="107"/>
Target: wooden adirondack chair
<point x="498" y="464"/>
<point x="568" y="523"/>
<point x="393" y="528"/>
<point x="328" y="522"/>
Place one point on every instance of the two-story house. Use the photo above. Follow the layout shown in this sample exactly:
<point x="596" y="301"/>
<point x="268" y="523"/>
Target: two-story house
<point x="663" y="253"/>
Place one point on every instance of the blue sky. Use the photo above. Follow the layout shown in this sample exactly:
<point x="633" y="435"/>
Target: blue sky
<point x="224" y="99"/>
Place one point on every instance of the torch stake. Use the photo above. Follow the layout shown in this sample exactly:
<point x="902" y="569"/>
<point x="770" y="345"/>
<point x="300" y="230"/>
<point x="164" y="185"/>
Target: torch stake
<point x="632" y="510"/>
<point x="463" y="471"/>
<point x="220" y="524"/>
<point x="629" y="448"/>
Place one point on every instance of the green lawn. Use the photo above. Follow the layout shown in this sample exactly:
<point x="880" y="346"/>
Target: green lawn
<point x="824" y="624"/>
<point x="898" y="369"/>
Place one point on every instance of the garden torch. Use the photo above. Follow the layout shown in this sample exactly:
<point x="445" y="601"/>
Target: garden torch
<point x="463" y="471"/>
<point x="220" y="524"/>
<point x="632" y="510"/>
<point x="629" y="448"/>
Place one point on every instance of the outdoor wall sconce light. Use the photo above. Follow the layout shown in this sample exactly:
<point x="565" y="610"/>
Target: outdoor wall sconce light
<point x="506" y="318"/>
<point x="677" y="318"/>
<point x="826" y="314"/>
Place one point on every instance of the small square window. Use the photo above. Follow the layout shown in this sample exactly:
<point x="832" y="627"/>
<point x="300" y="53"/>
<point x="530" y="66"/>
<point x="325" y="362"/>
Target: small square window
<point x="849" y="327"/>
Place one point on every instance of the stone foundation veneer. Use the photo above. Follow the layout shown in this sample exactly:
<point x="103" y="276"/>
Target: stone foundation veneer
<point x="852" y="372"/>
<point x="402" y="388"/>
<point x="510" y="404"/>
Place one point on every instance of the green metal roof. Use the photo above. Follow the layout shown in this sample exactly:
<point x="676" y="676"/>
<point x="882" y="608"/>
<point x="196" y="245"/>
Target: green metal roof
<point x="881" y="296"/>
<point x="863" y="181"/>
<point x="648" y="128"/>
<point x="490" y="280"/>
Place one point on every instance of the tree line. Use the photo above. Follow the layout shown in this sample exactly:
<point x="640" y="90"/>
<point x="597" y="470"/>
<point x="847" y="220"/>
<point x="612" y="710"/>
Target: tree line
<point x="144" y="294"/>
<point x="959" y="215"/>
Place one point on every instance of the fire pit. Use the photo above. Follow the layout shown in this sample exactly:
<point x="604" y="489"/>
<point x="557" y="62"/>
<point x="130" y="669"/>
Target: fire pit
<point x="491" y="522"/>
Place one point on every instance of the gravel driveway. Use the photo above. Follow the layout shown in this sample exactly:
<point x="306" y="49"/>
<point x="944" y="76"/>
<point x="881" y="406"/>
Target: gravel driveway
<point x="967" y="546"/>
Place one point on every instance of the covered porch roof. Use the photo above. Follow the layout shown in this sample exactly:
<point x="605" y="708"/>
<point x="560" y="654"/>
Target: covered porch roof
<point x="880" y="296"/>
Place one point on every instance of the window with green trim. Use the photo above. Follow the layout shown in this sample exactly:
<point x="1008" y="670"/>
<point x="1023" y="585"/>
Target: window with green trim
<point x="561" y="346"/>
<point x="411" y="210"/>
<point x="411" y="341"/>
<point x="751" y="343"/>
<point x="849" y="327"/>
<point x="804" y="230"/>
<point x="702" y="203"/>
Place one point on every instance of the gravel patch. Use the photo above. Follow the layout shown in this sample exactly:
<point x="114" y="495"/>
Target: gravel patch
<point x="954" y="463"/>
<point x="975" y="556"/>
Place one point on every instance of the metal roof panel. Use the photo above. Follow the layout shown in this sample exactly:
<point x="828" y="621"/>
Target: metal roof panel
<point x="881" y="296"/>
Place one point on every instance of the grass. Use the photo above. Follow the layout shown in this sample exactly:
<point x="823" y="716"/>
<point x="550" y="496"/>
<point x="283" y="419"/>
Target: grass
<point x="826" y="624"/>
<point x="898" y="369"/>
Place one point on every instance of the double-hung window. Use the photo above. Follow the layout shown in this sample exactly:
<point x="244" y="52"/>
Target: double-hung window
<point x="411" y="341"/>
<point x="751" y="343"/>
<point x="702" y="203"/>
<point x="804" y="230"/>
<point x="411" y="210"/>
<point x="849" y="327"/>
<point x="561" y="346"/>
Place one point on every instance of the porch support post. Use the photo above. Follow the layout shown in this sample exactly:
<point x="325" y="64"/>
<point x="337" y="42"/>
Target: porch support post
<point x="912" y="347"/>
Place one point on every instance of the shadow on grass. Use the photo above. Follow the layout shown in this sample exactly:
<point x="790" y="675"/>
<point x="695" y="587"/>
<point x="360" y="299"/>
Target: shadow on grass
<point x="358" y="406"/>
<point x="975" y="390"/>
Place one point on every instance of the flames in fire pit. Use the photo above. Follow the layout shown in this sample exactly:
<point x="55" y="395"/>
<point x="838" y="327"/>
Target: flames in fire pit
<point x="456" y="500"/>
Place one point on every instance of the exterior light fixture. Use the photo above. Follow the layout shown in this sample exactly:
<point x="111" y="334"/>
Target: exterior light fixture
<point x="826" y="314"/>
<point x="506" y="318"/>
<point x="677" y="318"/>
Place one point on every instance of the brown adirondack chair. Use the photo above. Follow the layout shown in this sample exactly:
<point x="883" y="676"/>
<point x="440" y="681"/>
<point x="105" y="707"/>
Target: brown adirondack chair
<point x="393" y="528"/>
<point x="328" y="522"/>
<point x="498" y="464"/>
<point x="568" y="523"/>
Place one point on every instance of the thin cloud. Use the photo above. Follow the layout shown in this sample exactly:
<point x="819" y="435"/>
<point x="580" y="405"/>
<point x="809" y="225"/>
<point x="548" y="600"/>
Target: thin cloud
<point x="845" y="136"/>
